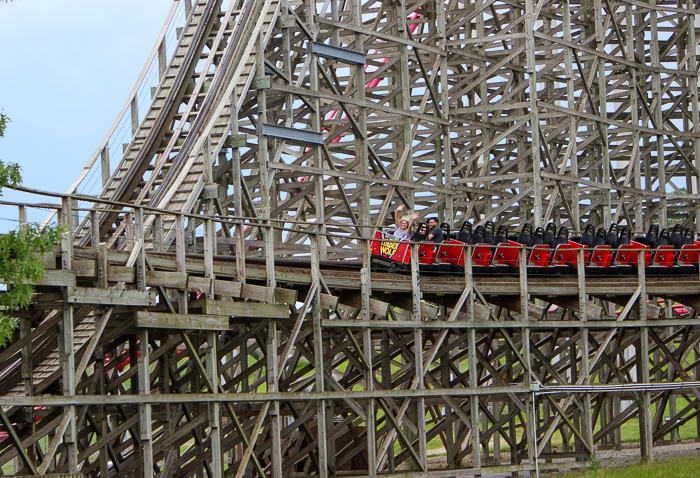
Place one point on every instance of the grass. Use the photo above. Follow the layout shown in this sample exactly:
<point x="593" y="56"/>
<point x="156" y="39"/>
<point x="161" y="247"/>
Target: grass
<point x="680" y="467"/>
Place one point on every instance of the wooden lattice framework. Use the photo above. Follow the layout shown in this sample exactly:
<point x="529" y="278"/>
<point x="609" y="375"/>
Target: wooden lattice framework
<point x="212" y="309"/>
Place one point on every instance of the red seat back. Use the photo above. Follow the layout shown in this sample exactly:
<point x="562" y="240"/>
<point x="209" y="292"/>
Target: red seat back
<point x="628" y="254"/>
<point x="507" y="254"/>
<point x="427" y="252"/>
<point x="664" y="256"/>
<point x="602" y="256"/>
<point x="482" y="255"/>
<point x="565" y="254"/>
<point x="689" y="254"/>
<point x="452" y="252"/>
<point x="541" y="255"/>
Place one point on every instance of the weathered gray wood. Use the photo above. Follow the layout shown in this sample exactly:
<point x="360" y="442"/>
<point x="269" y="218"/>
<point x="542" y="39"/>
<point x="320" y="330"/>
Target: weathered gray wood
<point x="199" y="284"/>
<point x="268" y="294"/>
<point x="329" y="301"/>
<point x="163" y="320"/>
<point x="172" y="280"/>
<point x="58" y="278"/>
<point x="228" y="288"/>
<point x="376" y="307"/>
<point x="441" y="120"/>
<point x="7" y="425"/>
<point x="245" y="309"/>
<point x="120" y="274"/>
<point x="87" y="295"/>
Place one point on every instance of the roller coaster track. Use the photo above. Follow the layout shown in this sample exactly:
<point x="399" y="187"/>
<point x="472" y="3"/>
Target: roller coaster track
<point x="191" y="109"/>
<point x="223" y="304"/>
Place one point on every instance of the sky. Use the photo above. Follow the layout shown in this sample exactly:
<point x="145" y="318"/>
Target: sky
<point x="66" y="69"/>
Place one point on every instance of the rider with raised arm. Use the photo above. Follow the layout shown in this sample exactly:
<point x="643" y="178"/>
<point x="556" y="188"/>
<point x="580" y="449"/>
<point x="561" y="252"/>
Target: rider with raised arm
<point x="404" y="225"/>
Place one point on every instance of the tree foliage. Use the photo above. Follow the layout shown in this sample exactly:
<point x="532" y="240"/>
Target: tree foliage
<point x="20" y="267"/>
<point x="20" y="250"/>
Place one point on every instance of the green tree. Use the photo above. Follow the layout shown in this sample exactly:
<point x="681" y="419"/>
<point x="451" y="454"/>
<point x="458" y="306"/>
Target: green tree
<point x="20" y="266"/>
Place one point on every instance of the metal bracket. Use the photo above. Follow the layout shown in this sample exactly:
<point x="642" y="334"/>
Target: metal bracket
<point x="291" y="134"/>
<point x="236" y="141"/>
<point x="262" y="83"/>
<point x="342" y="55"/>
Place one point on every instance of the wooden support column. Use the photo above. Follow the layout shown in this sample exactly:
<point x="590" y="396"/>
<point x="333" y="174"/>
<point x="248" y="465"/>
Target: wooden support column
<point x="635" y="156"/>
<point x="693" y="86"/>
<point x="405" y="138"/>
<point x="238" y="194"/>
<point x="180" y="245"/>
<point x="158" y="234"/>
<point x="27" y="369"/>
<point x="420" y="401"/>
<point x="95" y="224"/>
<point x="274" y="411"/>
<point x="22" y="214"/>
<point x="65" y="341"/>
<point x="361" y="143"/>
<point x="238" y="183"/>
<point x="534" y="116"/>
<point x="317" y="151"/>
<point x="209" y="239"/>
<point x="585" y="348"/>
<point x="140" y="243"/>
<point x="386" y="385"/>
<point x="658" y="113"/>
<point x="643" y="368"/>
<point x="446" y="139"/>
<point x="368" y="351"/>
<point x="265" y="171"/>
<point x="322" y="426"/>
<point x="145" y="419"/>
<point x="103" y="414"/>
<point x="472" y="361"/>
<point x="601" y="28"/>
<point x="572" y="147"/>
<point x="212" y="364"/>
<point x="531" y="415"/>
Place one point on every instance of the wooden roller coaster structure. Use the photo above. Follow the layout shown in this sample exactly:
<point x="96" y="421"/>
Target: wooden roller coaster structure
<point x="216" y="309"/>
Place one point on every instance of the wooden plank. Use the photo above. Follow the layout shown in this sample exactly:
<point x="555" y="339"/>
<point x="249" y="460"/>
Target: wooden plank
<point x="245" y="309"/>
<point x="593" y="312"/>
<point x="162" y="320"/>
<point x="120" y="273"/>
<point x="376" y="307"/>
<point x="285" y="296"/>
<point x="87" y="295"/>
<point x="329" y="301"/>
<point x="269" y="294"/>
<point x="513" y="304"/>
<point x="229" y="288"/>
<point x="84" y="268"/>
<point x="48" y="259"/>
<point x="58" y="278"/>
<point x="199" y="284"/>
<point x="172" y="280"/>
<point x="256" y="292"/>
